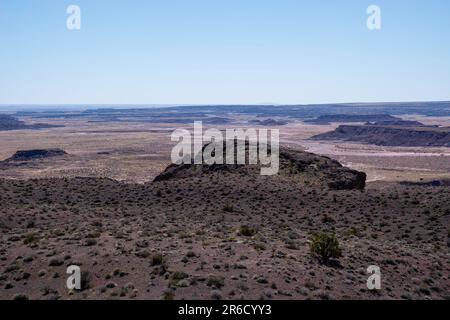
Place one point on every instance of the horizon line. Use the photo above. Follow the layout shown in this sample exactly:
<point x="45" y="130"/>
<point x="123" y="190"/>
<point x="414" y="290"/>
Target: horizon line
<point x="212" y="104"/>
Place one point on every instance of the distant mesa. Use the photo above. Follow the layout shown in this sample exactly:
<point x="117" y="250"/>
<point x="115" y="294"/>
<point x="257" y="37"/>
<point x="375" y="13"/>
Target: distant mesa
<point x="187" y="114"/>
<point x="166" y="118"/>
<point x="295" y="167"/>
<point x="399" y="122"/>
<point x="26" y="155"/>
<point x="268" y="122"/>
<point x="371" y="118"/>
<point x="395" y="136"/>
<point x="8" y="123"/>
<point x="215" y="120"/>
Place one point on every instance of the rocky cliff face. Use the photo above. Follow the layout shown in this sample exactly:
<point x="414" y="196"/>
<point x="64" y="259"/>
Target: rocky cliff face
<point x="390" y="135"/>
<point x="295" y="167"/>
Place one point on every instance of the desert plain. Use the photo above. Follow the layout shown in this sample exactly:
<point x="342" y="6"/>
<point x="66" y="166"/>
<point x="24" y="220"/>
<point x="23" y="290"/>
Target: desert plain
<point x="221" y="234"/>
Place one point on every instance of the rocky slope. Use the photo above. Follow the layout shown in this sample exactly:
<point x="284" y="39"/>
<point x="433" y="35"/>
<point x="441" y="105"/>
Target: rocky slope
<point x="295" y="167"/>
<point x="221" y="234"/>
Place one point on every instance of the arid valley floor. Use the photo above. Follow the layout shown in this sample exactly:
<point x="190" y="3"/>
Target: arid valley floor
<point x="99" y="207"/>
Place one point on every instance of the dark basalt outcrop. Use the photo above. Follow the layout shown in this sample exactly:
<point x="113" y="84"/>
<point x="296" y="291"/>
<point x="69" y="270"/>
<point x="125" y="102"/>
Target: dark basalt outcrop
<point x="397" y="136"/>
<point x="26" y="155"/>
<point x="294" y="167"/>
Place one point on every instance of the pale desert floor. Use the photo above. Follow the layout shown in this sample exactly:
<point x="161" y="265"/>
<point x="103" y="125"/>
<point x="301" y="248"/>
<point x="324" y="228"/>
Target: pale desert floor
<point x="137" y="152"/>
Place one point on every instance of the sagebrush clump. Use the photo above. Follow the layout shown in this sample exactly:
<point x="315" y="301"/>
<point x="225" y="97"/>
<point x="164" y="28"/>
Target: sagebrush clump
<point x="247" y="231"/>
<point x="325" y="246"/>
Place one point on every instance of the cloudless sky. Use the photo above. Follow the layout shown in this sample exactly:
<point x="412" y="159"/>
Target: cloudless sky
<point x="223" y="51"/>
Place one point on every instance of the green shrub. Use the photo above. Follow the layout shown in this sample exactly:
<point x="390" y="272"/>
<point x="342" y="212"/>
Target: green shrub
<point x="325" y="246"/>
<point x="215" y="281"/>
<point x="30" y="238"/>
<point x="247" y="231"/>
<point x="176" y="277"/>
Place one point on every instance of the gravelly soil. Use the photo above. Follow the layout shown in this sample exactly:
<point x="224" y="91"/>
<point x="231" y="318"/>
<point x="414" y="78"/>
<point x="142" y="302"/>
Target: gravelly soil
<point x="117" y="233"/>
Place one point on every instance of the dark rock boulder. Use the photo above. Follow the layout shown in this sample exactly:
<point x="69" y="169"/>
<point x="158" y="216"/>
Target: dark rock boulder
<point x="294" y="167"/>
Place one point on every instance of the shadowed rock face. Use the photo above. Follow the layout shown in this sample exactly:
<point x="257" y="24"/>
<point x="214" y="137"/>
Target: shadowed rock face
<point x="390" y="135"/>
<point x="295" y="167"/>
<point x="26" y="155"/>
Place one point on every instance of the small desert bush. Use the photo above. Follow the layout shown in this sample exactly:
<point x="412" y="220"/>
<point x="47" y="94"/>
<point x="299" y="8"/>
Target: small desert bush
<point x="259" y="247"/>
<point x="352" y="232"/>
<point x="157" y="260"/>
<point x="325" y="246"/>
<point x="176" y="277"/>
<point x="228" y="208"/>
<point x="12" y="267"/>
<point x="97" y="224"/>
<point x="31" y="224"/>
<point x="247" y="231"/>
<point x="89" y="242"/>
<point x="30" y="238"/>
<point x="20" y="297"/>
<point x="168" y="295"/>
<point x="191" y="254"/>
<point x="216" y="281"/>
<point x="56" y="262"/>
<point x="86" y="279"/>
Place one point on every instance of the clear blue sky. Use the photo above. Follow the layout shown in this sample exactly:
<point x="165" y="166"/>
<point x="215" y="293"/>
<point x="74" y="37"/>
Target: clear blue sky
<point x="223" y="51"/>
